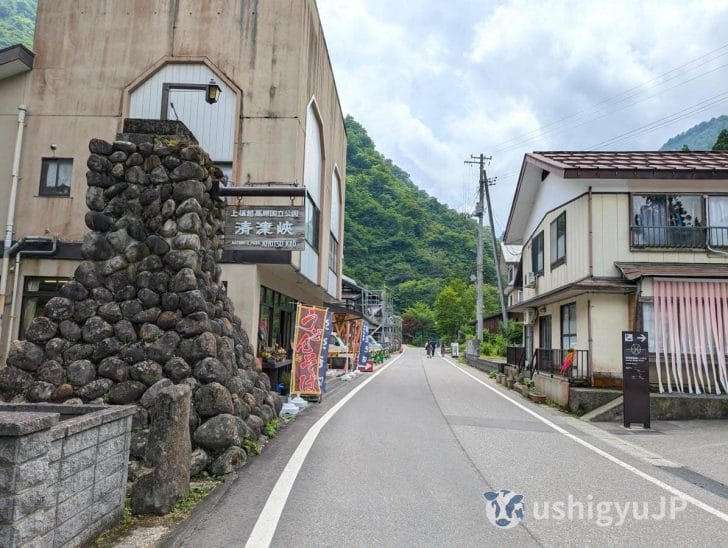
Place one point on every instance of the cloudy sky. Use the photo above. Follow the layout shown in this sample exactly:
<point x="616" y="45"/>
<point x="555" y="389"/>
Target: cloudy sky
<point x="435" y="81"/>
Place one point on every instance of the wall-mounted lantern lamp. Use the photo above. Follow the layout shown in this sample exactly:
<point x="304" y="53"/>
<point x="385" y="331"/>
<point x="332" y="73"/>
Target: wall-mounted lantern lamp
<point x="212" y="92"/>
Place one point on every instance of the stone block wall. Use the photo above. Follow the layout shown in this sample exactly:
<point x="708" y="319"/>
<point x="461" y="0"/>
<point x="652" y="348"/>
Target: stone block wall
<point x="63" y="472"/>
<point x="146" y="308"/>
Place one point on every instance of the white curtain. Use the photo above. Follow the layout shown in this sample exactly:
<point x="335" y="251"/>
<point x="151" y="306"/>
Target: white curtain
<point x="690" y="334"/>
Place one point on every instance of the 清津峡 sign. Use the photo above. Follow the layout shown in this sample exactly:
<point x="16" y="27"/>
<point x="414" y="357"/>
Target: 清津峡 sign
<point x="249" y="227"/>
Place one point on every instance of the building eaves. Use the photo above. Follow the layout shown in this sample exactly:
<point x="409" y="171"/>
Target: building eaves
<point x="633" y="164"/>
<point x="633" y="271"/>
<point x="15" y="60"/>
<point x="579" y="287"/>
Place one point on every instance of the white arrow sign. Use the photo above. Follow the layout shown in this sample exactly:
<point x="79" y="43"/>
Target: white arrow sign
<point x="641" y="338"/>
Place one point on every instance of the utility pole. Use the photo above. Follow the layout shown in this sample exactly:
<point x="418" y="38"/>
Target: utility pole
<point x="483" y="183"/>
<point x="480" y="160"/>
<point x="495" y="253"/>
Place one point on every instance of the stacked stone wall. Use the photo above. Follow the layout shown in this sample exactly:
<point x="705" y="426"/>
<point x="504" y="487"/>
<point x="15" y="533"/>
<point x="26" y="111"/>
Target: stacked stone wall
<point x="146" y="307"/>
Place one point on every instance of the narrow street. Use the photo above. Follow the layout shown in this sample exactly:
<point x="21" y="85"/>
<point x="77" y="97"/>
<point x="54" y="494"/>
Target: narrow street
<point x="406" y="460"/>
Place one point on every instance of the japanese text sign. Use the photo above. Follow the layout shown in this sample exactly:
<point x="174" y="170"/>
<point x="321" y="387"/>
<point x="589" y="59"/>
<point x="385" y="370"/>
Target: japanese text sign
<point x="307" y="348"/>
<point x="258" y="227"/>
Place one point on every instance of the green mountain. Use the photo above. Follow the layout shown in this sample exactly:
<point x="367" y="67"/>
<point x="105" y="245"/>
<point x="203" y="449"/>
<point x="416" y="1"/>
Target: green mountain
<point x="17" y="22"/>
<point x="700" y="137"/>
<point x="396" y="234"/>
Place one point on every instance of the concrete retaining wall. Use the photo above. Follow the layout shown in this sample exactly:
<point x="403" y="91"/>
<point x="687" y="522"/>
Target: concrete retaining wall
<point x="553" y="388"/>
<point x="673" y="406"/>
<point x="63" y="472"/>
<point x="483" y="364"/>
<point x="583" y="400"/>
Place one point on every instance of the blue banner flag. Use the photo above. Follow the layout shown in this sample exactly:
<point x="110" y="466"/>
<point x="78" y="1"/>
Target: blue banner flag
<point x="325" y="353"/>
<point x="363" y="347"/>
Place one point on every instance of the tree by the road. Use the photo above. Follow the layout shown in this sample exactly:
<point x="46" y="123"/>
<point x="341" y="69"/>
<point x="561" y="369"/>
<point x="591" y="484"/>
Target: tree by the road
<point x="418" y="323"/>
<point x="722" y="142"/>
<point x="455" y="308"/>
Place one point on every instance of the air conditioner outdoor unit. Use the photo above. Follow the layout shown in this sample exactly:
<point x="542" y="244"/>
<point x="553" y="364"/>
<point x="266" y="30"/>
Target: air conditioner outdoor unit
<point x="529" y="280"/>
<point x="529" y="316"/>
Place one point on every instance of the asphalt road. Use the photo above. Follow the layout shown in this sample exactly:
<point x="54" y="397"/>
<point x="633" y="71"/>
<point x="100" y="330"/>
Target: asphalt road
<point x="403" y="457"/>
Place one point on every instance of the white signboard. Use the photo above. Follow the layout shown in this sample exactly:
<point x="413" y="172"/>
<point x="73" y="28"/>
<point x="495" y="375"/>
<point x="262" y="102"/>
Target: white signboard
<point x="264" y="228"/>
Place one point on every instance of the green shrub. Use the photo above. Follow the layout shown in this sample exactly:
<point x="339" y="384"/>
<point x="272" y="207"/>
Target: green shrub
<point x="493" y="345"/>
<point x="271" y="428"/>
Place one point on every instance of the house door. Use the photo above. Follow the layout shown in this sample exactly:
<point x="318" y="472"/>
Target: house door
<point x="544" y="343"/>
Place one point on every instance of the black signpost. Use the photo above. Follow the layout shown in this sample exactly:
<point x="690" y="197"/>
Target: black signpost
<point x="635" y="373"/>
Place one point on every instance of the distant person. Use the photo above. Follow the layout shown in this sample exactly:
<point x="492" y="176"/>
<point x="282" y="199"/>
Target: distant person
<point x="428" y="349"/>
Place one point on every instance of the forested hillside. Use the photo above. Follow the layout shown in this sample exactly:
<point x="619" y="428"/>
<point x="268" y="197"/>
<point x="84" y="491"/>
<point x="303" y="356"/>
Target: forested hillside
<point x="699" y="137"/>
<point x="17" y="22"/>
<point x="399" y="236"/>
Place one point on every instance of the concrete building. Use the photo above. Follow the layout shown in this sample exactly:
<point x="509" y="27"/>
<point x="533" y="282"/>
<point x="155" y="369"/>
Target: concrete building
<point x="276" y="130"/>
<point x="624" y="241"/>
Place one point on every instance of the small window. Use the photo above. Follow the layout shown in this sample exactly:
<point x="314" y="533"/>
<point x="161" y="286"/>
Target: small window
<point x="55" y="177"/>
<point x="537" y="254"/>
<point x="36" y="294"/>
<point x="568" y="326"/>
<point x="313" y="221"/>
<point x="333" y="253"/>
<point x="558" y="240"/>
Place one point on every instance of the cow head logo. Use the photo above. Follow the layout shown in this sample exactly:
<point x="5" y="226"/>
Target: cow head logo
<point x="504" y="508"/>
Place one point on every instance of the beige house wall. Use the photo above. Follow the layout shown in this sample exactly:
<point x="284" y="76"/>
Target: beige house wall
<point x="90" y="56"/>
<point x="609" y="317"/>
<point x="576" y="266"/>
<point x="597" y="315"/>
<point x="612" y="213"/>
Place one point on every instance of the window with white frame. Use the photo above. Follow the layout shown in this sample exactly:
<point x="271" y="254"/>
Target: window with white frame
<point x="537" y="254"/>
<point x="718" y="221"/>
<point x="558" y="240"/>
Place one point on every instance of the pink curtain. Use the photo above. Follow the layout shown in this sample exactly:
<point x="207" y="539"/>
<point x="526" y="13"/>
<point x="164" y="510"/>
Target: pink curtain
<point x="690" y="335"/>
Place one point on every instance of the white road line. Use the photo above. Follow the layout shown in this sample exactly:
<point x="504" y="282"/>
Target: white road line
<point x="612" y="458"/>
<point x="265" y="527"/>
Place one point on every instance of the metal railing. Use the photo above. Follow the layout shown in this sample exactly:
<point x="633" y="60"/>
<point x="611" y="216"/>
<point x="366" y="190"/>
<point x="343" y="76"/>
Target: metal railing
<point x="676" y="236"/>
<point x="552" y="361"/>
<point x="515" y="356"/>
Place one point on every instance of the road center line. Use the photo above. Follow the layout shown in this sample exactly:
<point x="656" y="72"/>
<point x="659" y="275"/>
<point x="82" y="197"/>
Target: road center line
<point x="265" y="526"/>
<point x="669" y="488"/>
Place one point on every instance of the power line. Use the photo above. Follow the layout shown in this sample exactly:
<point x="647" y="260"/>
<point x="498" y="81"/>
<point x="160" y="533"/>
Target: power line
<point x="622" y="97"/>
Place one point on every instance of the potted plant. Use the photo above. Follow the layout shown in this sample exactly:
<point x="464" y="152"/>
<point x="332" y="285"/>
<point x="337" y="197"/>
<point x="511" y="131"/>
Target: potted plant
<point x="285" y="379"/>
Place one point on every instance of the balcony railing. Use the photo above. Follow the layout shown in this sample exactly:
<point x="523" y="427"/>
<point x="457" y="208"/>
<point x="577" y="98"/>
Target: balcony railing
<point x="553" y="361"/>
<point x="678" y="236"/>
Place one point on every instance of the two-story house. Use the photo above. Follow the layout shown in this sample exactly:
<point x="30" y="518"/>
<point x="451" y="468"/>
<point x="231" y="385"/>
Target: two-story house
<point x="276" y="129"/>
<point x="621" y="241"/>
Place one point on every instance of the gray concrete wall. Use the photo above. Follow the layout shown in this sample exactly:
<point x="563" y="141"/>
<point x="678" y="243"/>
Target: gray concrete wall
<point x="63" y="472"/>
<point x="555" y="389"/>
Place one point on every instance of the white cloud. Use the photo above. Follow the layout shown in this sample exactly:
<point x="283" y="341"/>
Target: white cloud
<point x="432" y="87"/>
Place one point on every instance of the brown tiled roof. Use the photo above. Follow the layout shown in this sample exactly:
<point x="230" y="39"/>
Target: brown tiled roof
<point x="630" y="164"/>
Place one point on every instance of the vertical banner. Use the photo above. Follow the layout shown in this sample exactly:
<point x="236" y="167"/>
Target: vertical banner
<point x="325" y="353"/>
<point x="355" y="337"/>
<point x="363" y="358"/>
<point x="307" y="346"/>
